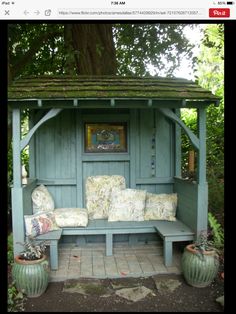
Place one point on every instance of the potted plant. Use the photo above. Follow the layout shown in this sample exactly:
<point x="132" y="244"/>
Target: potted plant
<point x="30" y="269"/>
<point x="200" y="262"/>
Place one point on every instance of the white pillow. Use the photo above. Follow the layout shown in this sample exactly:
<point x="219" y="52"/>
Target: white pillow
<point x="42" y="200"/>
<point x="127" y="205"/>
<point x="40" y="223"/>
<point x="71" y="217"/>
<point x="160" y="206"/>
<point x="98" y="192"/>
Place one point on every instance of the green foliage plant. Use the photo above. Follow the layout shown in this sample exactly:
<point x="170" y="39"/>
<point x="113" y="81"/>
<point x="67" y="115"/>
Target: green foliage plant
<point x="217" y="231"/>
<point x="15" y="299"/>
<point x="32" y="250"/>
<point x="203" y="244"/>
<point x="10" y="255"/>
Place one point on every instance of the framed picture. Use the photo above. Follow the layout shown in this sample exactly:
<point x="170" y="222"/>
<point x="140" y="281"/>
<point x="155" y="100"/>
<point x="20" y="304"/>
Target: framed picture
<point x="105" y="137"/>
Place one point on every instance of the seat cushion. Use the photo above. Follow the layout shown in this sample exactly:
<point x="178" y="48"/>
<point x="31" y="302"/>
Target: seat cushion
<point x="127" y="205"/>
<point x="42" y="199"/>
<point x="98" y="191"/>
<point x="160" y="206"/>
<point x="40" y="223"/>
<point x="71" y="217"/>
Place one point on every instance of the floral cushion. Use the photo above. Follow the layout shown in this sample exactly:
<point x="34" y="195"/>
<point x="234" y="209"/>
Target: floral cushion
<point x="42" y="199"/>
<point x="127" y="205"/>
<point x="71" y="217"/>
<point x="98" y="191"/>
<point x="40" y="223"/>
<point x="160" y="206"/>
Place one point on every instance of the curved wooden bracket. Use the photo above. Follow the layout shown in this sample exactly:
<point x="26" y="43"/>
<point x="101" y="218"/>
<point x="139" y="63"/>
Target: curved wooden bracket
<point x="51" y="113"/>
<point x="171" y="115"/>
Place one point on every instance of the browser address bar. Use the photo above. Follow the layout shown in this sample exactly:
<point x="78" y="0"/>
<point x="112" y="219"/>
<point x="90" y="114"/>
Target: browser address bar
<point x="157" y="13"/>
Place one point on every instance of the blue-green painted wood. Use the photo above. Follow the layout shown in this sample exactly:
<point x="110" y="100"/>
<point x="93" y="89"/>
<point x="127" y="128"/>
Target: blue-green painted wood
<point x="157" y="180"/>
<point x="55" y="151"/>
<point x="52" y="239"/>
<point x="177" y="144"/>
<point x="108" y="116"/>
<point x="187" y="202"/>
<point x="163" y="146"/>
<point x="56" y="157"/>
<point x="16" y="191"/>
<point x="58" y="181"/>
<point x="16" y="151"/>
<point x="17" y="219"/>
<point x="156" y="188"/>
<point x="104" y="103"/>
<point x="201" y="169"/>
<point x="79" y="165"/>
<point x="64" y="196"/>
<point x="52" y="113"/>
<point x="27" y="201"/>
<point x="202" y="208"/>
<point x="171" y="115"/>
<point x="32" y="170"/>
<point x="145" y="131"/>
<point x="106" y="157"/>
<point x="133" y="139"/>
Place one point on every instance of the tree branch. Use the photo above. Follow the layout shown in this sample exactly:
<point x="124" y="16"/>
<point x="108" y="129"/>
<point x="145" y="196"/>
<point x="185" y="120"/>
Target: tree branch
<point x="17" y="68"/>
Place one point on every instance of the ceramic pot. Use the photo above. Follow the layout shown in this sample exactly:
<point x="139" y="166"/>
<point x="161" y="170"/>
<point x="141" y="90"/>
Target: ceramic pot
<point x="199" y="269"/>
<point x="31" y="276"/>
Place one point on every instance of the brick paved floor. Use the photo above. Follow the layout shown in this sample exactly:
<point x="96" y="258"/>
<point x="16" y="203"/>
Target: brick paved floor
<point x="90" y="261"/>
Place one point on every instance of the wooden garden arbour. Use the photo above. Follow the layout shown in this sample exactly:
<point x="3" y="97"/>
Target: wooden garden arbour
<point x="60" y="105"/>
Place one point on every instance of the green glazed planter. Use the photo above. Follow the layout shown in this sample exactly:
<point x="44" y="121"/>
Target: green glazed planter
<point x="199" y="271"/>
<point x="31" y="277"/>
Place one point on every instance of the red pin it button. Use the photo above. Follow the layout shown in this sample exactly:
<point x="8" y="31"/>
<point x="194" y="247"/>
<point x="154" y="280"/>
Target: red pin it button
<point x="219" y="13"/>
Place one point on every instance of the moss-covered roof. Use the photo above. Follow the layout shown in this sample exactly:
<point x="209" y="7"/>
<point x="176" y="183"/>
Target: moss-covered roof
<point x="49" y="87"/>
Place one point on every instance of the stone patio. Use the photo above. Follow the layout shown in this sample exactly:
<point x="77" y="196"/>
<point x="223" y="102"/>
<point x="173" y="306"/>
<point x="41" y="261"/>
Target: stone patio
<point x="90" y="261"/>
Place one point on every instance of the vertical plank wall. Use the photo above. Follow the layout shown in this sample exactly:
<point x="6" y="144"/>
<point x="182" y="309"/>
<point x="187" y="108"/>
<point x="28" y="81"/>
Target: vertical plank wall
<point x="55" y="158"/>
<point x="60" y="141"/>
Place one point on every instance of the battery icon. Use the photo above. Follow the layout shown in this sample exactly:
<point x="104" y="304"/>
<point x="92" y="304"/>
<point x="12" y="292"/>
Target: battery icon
<point x="230" y="2"/>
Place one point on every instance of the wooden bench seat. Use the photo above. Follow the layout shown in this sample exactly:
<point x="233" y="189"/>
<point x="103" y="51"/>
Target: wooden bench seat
<point x="169" y="231"/>
<point x="52" y="238"/>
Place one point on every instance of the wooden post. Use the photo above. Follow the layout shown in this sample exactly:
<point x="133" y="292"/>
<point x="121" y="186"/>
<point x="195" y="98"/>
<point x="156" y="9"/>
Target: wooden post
<point x="202" y="203"/>
<point x="17" y="197"/>
<point x="133" y="146"/>
<point x="177" y="146"/>
<point x="16" y="150"/>
<point x="202" y="146"/>
<point x="80" y="197"/>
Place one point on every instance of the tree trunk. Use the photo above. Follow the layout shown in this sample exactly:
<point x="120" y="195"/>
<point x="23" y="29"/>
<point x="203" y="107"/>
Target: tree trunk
<point x="94" y="49"/>
<point x="69" y="56"/>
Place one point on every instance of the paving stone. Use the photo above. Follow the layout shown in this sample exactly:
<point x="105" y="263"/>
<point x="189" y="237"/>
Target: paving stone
<point x="166" y="285"/>
<point x="127" y="260"/>
<point x="86" y="270"/>
<point x="134" y="294"/>
<point x="135" y="268"/>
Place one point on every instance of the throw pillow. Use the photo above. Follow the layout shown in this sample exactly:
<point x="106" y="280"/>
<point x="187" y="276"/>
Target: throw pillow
<point x="42" y="199"/>
<point x="71" y="217"/>
<point x="160" y="206"/>
<point x="40" y="223"/>
<point x="98" y="192"/>
<point x="127" y="205"/>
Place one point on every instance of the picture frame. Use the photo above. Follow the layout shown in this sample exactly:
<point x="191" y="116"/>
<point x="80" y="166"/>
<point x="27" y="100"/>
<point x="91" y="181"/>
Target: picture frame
<point x="106" y="137"/>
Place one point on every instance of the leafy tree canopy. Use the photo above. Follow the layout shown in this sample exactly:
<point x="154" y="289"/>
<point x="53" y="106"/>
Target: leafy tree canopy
<point x="124" y="49"/>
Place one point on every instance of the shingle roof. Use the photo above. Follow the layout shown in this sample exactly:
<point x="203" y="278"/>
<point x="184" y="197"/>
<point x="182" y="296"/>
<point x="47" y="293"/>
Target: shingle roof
<point x="49" y="87"/>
